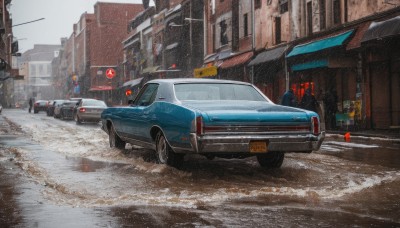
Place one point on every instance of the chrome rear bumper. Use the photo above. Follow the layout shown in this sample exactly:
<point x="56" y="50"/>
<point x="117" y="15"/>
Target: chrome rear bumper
<point x="240" y="143"/>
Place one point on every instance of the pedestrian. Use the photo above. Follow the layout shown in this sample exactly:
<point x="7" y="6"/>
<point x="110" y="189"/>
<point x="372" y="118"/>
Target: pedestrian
<point x="309" y="102"/>
<point x="30" y="104"/>
<point x="330" y="102"/>
<point x="289" y="99"/>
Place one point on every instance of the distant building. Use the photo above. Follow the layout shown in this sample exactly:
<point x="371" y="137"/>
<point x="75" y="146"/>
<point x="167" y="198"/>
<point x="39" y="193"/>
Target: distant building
<point x="36" y="65"/>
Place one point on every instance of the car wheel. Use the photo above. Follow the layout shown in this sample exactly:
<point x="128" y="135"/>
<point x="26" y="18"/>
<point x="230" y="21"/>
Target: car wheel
<point x="35" y="112"/>
<point x="271" y="159"/>
<point x="165" y="154"/>
<point x="115" y="140"/>
<point x="77" y="120"/>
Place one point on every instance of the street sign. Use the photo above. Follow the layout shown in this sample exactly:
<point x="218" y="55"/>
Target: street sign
<point x="205" y="72"/>
<point x="110" y="73"/>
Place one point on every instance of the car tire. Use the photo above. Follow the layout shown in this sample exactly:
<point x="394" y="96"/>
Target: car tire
<point x="165" y="154"/>
<point x="115" y="140"/>
<point x="271" y="160"/>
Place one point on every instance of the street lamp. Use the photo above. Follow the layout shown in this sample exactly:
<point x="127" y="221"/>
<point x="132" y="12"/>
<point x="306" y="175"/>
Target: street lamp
<point x="29" y="22"/>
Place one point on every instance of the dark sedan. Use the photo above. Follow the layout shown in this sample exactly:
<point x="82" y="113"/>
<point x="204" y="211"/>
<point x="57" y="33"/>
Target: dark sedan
<point x="52" y="106"/>
<point x="67" y="110"/>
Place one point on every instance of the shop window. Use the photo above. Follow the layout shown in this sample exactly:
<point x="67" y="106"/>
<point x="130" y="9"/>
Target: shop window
<point x="300" y="88"/>
<point x="283" y="6"/>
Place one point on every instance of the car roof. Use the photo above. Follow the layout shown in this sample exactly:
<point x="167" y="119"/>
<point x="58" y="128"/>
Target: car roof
<point x="196" y="80"/>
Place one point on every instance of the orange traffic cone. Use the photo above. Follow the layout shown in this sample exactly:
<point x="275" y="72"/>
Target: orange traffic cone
<point x="347" y="137"/>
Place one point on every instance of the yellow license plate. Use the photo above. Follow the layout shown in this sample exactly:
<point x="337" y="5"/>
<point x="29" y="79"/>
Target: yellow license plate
<point x="258" y="147"/>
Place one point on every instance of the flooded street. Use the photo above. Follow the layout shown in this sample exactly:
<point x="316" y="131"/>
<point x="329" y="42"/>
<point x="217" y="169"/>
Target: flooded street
<point x="55" y="173"/>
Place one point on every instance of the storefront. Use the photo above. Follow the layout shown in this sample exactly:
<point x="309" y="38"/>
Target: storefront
<point x="381" y="42"/>
<point x="235" y="67"/>
<point x="269" y="72"/>
<point x="330" y="72"/>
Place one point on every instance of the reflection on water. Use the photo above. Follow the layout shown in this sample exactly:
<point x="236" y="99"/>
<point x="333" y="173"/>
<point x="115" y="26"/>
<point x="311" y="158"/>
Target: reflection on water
<point x="86" y="165"/>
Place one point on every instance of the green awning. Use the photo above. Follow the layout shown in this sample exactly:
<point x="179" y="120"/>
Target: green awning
<point x="319" y="45"/>
<point x="310" y="65"/>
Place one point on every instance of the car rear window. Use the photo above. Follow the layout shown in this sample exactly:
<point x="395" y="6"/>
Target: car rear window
<point x="94" y="103"/>
<point x="69" y="104"/>
<point x="217" y="91"/>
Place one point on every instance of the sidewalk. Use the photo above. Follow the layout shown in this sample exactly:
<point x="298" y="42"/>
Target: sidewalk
<point x="7" y="127"/>
<point x="388" y="134"/>
<point x="4" y="126"/>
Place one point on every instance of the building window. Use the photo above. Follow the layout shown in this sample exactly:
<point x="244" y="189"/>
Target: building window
<point x="245" y="25"/>
<point x="322" y="15"/>
<point x="278" y="38"/>
<point x="283" y="6"/>
<point x="309" y="18"/>
<point x="336" y="11"/>
<point x="257" y="4"/>
<point x="214" y="37"/>
<point x="223" y="35"/>
<point x="32" y="70"/>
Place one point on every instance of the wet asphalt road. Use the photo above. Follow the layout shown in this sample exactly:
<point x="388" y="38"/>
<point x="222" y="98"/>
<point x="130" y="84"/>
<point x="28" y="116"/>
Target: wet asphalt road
<point x="55" y="173"/>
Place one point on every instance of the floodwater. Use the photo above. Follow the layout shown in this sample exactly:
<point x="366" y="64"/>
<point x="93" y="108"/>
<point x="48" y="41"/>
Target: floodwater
<point x="55" y="173"/>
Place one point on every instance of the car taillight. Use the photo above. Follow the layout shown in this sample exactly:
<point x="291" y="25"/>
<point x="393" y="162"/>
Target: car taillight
<point x="82" y="110"/>
<point x="199" y="125"/>
<point x="315" y="125"/>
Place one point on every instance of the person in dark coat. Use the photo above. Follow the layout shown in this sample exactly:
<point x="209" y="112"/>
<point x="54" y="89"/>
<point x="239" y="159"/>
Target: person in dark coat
<point x="289" y="99"/>
<point x="30" y="104"/>
<point x="308" y="101"/>
<point x="330" y="101"/>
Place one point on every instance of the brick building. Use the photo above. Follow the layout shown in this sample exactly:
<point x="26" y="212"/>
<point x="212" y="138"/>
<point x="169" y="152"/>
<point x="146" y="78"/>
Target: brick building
<point x="95" y="46"/>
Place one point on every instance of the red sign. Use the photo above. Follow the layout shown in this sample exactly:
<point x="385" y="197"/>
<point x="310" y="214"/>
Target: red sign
<point x="110" y="73"/>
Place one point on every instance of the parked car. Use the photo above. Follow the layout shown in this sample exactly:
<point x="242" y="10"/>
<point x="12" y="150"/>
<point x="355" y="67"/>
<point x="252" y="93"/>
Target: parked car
<point x="52" y="106"/>
<point x="89" y="110"/>
<point x="40" y="105"/>
<point x="214" y="118"/>
<point x="65" y="111"/>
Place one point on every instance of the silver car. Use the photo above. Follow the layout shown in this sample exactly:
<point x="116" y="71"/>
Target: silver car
<point x="89" y="110"/>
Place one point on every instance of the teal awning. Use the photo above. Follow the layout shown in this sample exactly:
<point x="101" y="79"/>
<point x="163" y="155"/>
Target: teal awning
<point x="310" y="65"/>
<point x="319" y="45"/>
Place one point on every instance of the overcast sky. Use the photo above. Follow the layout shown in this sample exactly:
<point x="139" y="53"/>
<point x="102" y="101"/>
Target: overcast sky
<point x="60" y="15"/>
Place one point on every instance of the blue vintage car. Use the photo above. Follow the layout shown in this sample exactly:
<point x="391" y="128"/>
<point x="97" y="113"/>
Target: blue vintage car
<point x="214" y="118"/>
